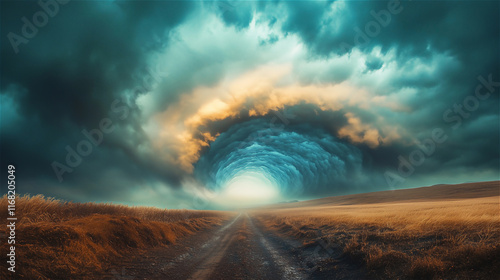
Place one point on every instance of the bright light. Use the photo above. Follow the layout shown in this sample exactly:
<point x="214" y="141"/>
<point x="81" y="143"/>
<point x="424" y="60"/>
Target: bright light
<point x="248" y="190"/>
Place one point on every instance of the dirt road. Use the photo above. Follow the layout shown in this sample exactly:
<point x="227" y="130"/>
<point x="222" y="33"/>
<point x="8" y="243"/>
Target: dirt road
<point x="241" y="249"/>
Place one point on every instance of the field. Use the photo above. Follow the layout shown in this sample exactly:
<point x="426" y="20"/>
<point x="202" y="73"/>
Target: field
<point x="64" y="240"/>
<point x="438" y="232"/>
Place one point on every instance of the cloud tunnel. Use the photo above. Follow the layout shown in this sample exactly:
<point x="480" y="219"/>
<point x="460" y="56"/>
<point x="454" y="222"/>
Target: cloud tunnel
<point x="298" y="159"/>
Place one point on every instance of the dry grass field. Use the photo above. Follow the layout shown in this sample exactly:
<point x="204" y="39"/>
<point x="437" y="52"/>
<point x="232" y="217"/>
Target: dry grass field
<point x="55" y="238"/>
<point x="439" y="232"/>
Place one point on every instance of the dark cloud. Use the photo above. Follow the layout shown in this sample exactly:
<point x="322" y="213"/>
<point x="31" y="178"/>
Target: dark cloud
<point x="96" y="60"/>
<point x="235" y="13"/>
<point x="67" y="78"/>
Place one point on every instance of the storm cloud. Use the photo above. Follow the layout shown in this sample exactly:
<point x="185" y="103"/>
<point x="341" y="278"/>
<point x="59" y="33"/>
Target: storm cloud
<point x="173" y="100"/>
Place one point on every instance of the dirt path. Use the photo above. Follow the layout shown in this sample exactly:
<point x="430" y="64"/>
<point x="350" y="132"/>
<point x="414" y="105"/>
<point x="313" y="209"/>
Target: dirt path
<point x="241" y="249"/>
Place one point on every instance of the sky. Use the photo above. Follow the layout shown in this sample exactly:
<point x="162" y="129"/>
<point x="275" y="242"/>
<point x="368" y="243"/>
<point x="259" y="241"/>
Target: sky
<point x="223" y="104"/>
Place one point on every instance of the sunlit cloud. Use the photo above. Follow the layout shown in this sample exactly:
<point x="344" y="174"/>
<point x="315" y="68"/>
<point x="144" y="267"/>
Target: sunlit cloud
<point x="255" y="94"/>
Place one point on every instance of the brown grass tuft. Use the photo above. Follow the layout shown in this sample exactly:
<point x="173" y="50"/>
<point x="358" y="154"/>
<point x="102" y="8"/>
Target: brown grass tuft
<point x="426" y="267"/>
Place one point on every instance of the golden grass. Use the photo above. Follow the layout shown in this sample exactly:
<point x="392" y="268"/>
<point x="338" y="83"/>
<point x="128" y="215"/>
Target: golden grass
<point x="30" y="209"/>
<point x="444" y="238"/>
<point x="63" y="240"/>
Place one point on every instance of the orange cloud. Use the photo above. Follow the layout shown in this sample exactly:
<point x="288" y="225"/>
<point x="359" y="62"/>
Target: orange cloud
<point x="358" y="132"/>
<point x="181" y="127"/>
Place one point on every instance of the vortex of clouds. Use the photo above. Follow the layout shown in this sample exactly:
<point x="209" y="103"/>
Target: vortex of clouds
<point x="299" y="159"/>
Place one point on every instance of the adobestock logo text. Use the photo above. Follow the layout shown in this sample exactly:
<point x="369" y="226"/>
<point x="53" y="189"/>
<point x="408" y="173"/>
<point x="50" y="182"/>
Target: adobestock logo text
<point x="30" y="27"/>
